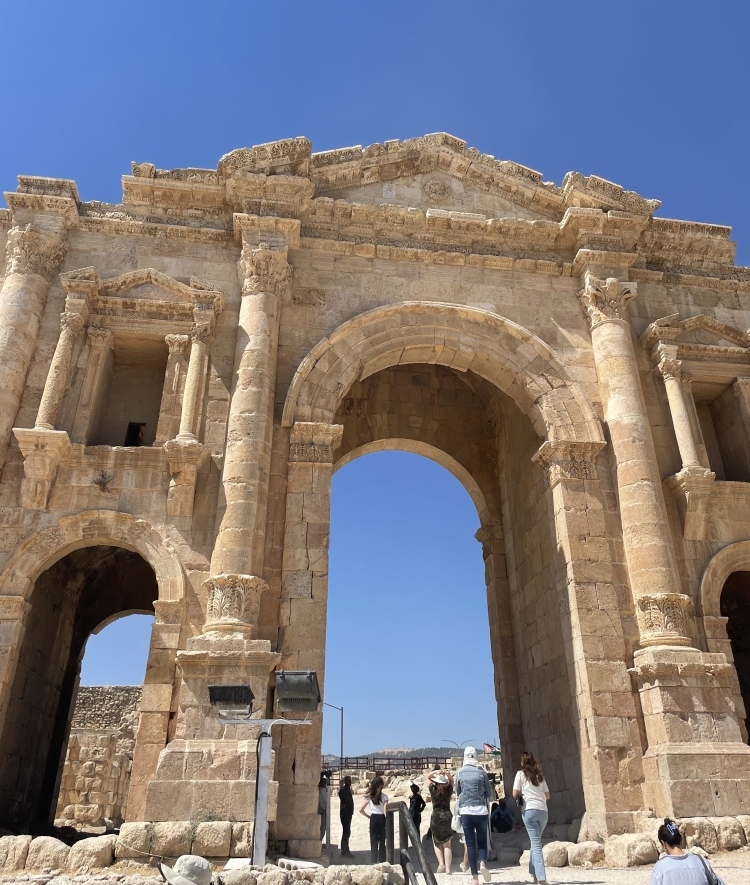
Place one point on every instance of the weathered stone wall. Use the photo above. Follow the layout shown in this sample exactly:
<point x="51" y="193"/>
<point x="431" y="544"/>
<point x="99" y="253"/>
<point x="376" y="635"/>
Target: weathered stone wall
<point x="99" y="757"/>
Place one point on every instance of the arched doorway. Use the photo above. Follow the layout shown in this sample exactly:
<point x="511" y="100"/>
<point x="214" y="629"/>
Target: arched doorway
<point x="735" y="607"/>
<point x="70" y="599"/>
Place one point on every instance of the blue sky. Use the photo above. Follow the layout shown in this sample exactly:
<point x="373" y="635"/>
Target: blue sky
<point x="652" y="95"/>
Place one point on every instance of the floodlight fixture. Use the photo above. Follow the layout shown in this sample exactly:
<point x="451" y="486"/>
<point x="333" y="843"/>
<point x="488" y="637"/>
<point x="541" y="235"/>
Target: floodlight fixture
<point x="297" y="691"/>
<point x="232" y="700"/>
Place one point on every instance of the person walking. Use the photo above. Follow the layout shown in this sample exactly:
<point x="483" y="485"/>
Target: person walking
<point x="531" y="785"/>
<point x="346" y="813"/>
<point x="473" y="793"/>
<point x="323" y="805"/>
<point x="678" y="867"/>
<point x="376" y="807"/>
<point x="416" y="806"/>
<point x="440" y="785"/>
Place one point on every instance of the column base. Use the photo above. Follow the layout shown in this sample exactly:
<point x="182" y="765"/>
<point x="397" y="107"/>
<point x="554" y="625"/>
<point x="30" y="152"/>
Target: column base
<point x="696" y="763"/>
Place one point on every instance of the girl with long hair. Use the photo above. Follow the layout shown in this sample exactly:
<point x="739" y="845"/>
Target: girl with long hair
<point x="440" y="785"/>
<point x="375" y="807"/>
<point x="532" y="787"/>
<point x="678" y="867"/>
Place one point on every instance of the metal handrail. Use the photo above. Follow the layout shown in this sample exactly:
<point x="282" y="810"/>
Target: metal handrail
<point x="407" y="832"/>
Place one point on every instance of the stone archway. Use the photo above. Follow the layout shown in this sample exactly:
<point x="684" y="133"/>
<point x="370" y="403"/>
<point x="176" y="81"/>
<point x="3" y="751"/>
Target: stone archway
<point x="561" y="550"/>
<point x="82" y="548"/>
<point x="510" y="357"/>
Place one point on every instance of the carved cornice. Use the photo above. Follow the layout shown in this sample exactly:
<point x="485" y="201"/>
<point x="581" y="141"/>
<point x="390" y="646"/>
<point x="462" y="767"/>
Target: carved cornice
<point x="314" y="442"/>
<point x="604" y="300"/>
<point x="663" y="619"/>
<point x="568" y="460"/>
<point x="233" y="603"/>
<point x="262" y="269"/>
<point x="33" y="250"/>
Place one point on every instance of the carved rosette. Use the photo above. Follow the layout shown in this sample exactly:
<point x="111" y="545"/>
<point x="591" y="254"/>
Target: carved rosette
<point x="663" y="619"/>
<point x="177" y="343"/>
<point x="263" y="269"/>
<point x="314" y="442"/>
<point x="233" y="604"/>
<point x="568" y="460"/>
<point x="32" y="251"/>
<point x="604" y="300"/>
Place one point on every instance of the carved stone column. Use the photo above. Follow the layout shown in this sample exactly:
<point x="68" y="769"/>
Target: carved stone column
<point x="201" y="335"/>
<point x="233" y="604"/>
<point x="302" y="636"/>
<point x="265" y="275"/>
<point x="645" y="532"/>
<point x="33" y="253"/>
<point x="57" y="378"/>
<point x="170" y="409"/>
<point x="671" y="371"/>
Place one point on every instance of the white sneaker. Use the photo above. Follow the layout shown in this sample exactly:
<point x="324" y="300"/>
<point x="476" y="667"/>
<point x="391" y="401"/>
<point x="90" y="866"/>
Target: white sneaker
<point x="485" y="872"/>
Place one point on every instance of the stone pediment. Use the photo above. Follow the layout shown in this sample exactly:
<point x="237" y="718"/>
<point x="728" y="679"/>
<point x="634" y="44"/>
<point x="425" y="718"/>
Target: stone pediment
<point x="694" y="333"/>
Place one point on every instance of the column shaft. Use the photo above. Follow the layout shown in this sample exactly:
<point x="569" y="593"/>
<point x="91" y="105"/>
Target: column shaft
<point x="239" y="543"/>
<point x="33" y="254"/>
<point x="57" y="377"/>
<point x="683" y="428"/>
<point x="198" y="350"/>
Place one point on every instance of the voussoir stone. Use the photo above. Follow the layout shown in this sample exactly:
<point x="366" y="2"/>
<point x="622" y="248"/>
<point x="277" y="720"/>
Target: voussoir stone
<point x="93" y="853"/>
<point x="630" y="850"/>
<point x="47" y="853"/>
<point x="585" y="853"/>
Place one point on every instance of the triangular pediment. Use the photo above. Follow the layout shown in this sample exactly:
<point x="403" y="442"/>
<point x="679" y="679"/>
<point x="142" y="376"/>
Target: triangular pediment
<point x="694" y="332"/>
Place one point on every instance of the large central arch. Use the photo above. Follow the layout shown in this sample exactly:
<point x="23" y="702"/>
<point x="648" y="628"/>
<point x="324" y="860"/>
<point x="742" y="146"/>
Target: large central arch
<point x="517" y="362"/>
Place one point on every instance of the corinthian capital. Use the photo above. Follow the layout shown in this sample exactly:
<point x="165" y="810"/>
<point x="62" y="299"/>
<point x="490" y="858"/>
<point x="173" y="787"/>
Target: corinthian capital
<point x="31" y="250"/>
<point x="605" y="299"/>
<point x="72" y="321"/>
<point x="263" y="269"/>
<point x="233" y="603"/>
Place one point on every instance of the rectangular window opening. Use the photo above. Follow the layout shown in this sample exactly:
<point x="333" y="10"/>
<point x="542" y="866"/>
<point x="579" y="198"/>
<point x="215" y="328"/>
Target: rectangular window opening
<point x="135" y="434"/>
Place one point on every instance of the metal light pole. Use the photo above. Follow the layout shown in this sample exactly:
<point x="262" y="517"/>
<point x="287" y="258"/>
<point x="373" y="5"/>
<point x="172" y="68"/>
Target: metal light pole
<point x="341" y="752"/>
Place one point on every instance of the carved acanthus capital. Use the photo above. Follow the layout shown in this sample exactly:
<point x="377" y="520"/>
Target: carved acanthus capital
<point x="177" y="343"/>
<point x="31" y="250"/>
<point x="568" y="459"/>
<point x="605" y="299"/>
<point x="72" y="322"/>
<point x="233" y="604"/>
<point x="100" y="337"/>
<point x="663" y="619"/>
<point x="202" y="332"/>
<point x="263" y="269"/>
<point x="314" y="442"/>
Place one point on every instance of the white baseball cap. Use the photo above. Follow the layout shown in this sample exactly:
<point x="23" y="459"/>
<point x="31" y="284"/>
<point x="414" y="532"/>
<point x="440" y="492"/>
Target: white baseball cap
<point x="188" y="870"/>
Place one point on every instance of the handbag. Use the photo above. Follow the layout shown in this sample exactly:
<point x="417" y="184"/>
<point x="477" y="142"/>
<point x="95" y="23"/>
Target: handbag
<point x="711" y="876"/>
<point x="456" y="819"/>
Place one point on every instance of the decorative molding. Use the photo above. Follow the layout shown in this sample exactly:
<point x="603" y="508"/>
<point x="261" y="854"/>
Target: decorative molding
<point x="604" y="300"/>
<point x="663" y="619"/>
<point x="314" y="442"/>
<point x="100" y="337"/>
<point x="233" y="603"/>
<point x="43" y="451"/>
<point x="262" y="269"/>
<point x="31" y="250"/>
<point x="568" y="460"/>
<point x="177" y="343"/>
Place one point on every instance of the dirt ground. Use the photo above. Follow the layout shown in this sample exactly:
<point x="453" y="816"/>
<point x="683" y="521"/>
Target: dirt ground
<point x="732" y="866"/>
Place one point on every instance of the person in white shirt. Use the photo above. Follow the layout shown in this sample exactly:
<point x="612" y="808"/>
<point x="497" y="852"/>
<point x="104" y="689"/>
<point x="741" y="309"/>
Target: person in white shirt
<point x="376" y="807"/>
<point x="678" y="867"/>
<point x="531" y="785"/>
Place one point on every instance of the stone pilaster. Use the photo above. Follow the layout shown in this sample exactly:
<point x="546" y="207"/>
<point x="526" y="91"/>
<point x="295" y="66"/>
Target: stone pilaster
<point x="302" y="636"/>
<point x="170" y="410"/>
<point x="595" y="647"/>
<point x="33" y="253"/>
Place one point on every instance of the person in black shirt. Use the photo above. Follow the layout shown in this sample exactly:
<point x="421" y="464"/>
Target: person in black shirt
<point x="346" y="812"/>
<point x="416" y="806"/>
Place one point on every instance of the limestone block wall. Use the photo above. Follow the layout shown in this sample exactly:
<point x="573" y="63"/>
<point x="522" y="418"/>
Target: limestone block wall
<point x="99" y="757"/>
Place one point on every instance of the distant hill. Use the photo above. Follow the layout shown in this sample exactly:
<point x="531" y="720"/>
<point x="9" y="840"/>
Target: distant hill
<point x="410" y="752"/>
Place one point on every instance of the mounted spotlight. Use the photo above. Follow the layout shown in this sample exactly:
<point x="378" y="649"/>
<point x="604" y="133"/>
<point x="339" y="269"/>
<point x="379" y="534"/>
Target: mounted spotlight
<point x="232" y="700"/>
<point x="297" y="691"/>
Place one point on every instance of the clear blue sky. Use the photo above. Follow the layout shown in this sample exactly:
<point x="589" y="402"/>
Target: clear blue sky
<point x="652" y="95"/>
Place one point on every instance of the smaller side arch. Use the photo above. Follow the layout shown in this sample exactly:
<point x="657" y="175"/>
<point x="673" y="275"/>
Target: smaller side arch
<point x="732" y="558"/>
<point x="88" y="529"/>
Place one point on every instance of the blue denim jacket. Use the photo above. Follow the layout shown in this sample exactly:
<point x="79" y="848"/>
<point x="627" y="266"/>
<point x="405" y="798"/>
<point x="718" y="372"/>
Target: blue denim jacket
<point x="473" y="787"/>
